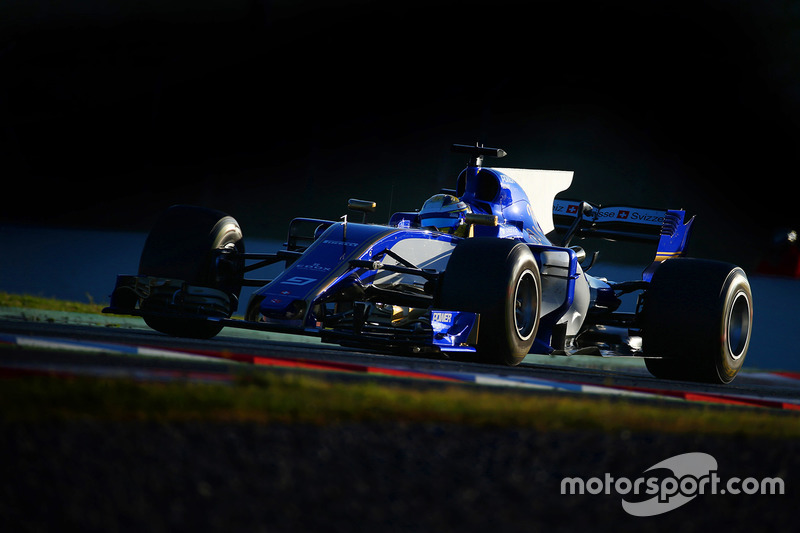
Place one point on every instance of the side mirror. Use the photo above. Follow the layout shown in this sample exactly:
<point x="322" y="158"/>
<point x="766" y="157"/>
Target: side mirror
<point x="364" y="206"/>
<point x="480" y="220"/>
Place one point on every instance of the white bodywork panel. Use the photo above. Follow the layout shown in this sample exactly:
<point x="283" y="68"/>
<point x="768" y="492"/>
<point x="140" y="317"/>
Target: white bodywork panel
<point x="541" y="186"/>
<point x="423" y="252"/>
<point x="555" y="270"/>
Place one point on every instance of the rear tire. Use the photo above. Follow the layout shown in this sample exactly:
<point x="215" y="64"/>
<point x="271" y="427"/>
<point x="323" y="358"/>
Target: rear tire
<point x="182" y="246"/>
<point x="498" y="278"/>
<point x="697" y="320"/>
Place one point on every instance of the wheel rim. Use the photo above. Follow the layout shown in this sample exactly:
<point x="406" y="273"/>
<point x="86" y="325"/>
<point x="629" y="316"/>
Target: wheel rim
<point x="738" y="330"/>
<point x="525" y="305"/>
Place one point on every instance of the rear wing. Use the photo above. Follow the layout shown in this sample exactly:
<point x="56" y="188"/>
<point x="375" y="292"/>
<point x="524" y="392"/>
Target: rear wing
<point x="640" y="224"/>
<point x="573" y="218"/>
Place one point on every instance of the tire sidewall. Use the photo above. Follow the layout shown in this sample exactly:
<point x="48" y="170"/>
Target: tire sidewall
<point x="226" y="234"/>
<point x="521" y="265"/>
<point x="736" y="292"/>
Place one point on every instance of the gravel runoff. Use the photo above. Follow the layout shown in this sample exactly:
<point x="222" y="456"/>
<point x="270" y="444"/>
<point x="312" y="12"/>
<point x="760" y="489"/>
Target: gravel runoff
<point x="87" y="475"/>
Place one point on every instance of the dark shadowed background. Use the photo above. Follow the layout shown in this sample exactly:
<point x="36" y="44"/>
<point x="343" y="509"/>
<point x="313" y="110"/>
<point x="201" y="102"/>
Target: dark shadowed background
<point x="112" y="111"/>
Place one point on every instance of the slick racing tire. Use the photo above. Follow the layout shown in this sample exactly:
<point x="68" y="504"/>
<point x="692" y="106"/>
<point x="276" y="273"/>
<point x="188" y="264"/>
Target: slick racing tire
<point x="499" y="279"/>
<point x="697" y="318"/>
<point x="182" y="246"/>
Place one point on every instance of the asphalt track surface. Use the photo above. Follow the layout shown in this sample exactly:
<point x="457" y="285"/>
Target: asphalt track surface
<point x="78" y="345"/>
<point x="89" y="475"/>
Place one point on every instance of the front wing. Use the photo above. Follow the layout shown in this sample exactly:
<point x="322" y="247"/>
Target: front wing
<point x="450" y="331"/>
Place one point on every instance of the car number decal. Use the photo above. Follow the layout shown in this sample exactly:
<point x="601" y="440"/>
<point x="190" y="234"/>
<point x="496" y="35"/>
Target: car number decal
<point x="298" y="280"/>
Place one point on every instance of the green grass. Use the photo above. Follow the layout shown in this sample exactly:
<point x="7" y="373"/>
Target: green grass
<point x="296" y="398"/>
<point x="50" y="304"/>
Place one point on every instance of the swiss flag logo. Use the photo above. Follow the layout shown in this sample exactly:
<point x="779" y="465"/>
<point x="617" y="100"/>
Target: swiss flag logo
<point x="572" y="209"/>
<point x="623" y="214"/>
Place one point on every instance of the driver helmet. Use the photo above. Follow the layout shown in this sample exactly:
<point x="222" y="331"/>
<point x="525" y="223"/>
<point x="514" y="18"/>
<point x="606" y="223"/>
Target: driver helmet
<point x="444" y="212"/>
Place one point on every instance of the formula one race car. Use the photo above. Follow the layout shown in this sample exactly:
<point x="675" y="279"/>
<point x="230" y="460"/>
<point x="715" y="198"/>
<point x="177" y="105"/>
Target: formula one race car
<point x="484" y="272"/>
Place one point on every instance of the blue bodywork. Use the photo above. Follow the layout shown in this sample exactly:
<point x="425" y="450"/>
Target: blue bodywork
<point x="335" y="266"/>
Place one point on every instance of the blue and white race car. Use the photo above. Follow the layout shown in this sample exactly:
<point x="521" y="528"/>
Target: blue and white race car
<point x="483" y="272"/>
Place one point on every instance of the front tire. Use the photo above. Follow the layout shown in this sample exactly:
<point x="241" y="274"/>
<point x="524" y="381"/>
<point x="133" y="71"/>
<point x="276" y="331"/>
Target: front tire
<point x="500" y="280"/>
<point x="183" y="245"/>
<point x="697" y="320"/>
